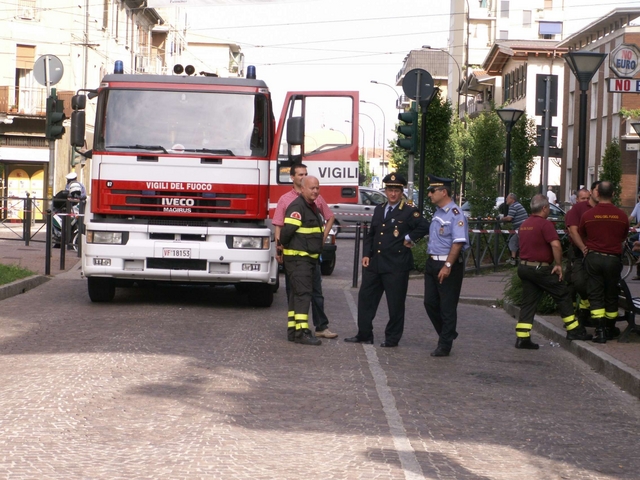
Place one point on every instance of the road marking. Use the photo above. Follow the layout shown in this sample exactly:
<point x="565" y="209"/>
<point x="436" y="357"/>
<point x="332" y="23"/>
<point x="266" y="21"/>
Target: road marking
<point x="406" y="453"/>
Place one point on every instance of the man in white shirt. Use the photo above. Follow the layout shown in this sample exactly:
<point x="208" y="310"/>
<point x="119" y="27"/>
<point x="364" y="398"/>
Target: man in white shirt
<point x="551" y="196"/>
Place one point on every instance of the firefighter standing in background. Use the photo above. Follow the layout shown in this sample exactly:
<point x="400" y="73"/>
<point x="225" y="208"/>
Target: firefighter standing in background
<point x="302" y="239"/>
<point x="603" y="229"/>
<point x="386" y="262"/>
<point x="539" y="248"/>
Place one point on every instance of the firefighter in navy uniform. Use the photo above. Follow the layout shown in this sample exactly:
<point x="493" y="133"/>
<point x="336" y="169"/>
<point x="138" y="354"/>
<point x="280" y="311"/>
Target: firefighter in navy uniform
<point x="603" y="229"/>
<point x="539" y="248"/>
<point x="387" y="261"/>
<point x="302" y="239"/>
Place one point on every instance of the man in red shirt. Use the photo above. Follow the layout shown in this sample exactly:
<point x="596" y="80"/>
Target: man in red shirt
<point x="297" y="173"/>
<point x="576" y="275"/>
<point x="603" y="230"/>
<point x="539" y="248"/>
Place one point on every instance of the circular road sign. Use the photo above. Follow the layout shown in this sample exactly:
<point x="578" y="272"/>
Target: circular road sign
<point x="410" y="84"/>
<point x="55" y="70"/>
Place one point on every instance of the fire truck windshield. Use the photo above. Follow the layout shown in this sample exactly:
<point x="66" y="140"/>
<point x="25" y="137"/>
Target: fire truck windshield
<point x="184" y="122"/>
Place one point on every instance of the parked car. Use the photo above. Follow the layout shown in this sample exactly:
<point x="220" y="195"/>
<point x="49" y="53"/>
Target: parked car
<point x="348" y="214"/>
<point x="556" y="214"/>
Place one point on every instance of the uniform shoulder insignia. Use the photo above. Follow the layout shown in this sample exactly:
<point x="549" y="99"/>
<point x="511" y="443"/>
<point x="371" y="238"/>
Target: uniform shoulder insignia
<point x="416" y="214"/>
<point x="461" y="223"/>
<point x="296" y="215"/>
<point x="456" y="211"/>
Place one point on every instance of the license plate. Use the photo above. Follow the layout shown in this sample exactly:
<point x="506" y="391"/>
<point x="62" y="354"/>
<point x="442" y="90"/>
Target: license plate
<point x="176" y="253"/>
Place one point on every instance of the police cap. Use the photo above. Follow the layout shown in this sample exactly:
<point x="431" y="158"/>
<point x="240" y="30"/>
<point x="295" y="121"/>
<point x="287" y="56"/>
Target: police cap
<point x="394" y="180"/>
<point x="438" y="182"/>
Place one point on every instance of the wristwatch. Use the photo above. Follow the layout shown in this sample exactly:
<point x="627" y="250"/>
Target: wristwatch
<point x="447" y="264"/>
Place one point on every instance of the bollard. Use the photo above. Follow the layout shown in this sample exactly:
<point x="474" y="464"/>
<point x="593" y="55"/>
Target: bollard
<point x="47" y="245"/>
<point x="63" y="240"/>
<point x="356" y="257"/>
<point x="478" y="251"/>
<point x="26" y="225"/>
<point x="80" y="225"/>
<point x="498" y="235"/>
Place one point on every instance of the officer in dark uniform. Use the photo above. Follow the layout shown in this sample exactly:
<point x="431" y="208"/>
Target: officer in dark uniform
<point x="603" y="229"/>
<point x="302" y="239"/>
<point x="448" y="238"/>
<point x="386" y="262"/>
<point x="539" y="248"/>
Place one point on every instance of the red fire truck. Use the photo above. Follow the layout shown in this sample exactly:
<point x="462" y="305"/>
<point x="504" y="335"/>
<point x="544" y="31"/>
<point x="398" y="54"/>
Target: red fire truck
<point x="186" y="169"/>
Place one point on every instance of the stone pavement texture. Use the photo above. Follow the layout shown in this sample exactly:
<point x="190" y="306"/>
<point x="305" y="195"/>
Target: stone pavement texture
<point x="620" y="362"/>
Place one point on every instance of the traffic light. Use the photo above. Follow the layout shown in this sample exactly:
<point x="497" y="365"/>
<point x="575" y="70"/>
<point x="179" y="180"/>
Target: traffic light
<point x="55" y="116"/>
<point x="409" y="130"/>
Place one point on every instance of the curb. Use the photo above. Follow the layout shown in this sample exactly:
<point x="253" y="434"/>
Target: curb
<point x="22" y="285"/>
<point x="625" y="377"/>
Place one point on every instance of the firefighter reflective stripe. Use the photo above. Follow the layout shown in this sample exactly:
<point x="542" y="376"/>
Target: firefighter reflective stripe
<point x="306" y="231"/>
<point x="584" y="304"/>
<point x="292" y="221"/>
<point x="611" y="315"/>
<point x="291" y="323"/>
<point x="523" y="330"/>
<point x="598" y="313"/>
<point x="300" y="253"/>
<point x="570" y="322"/>
<point x="302" y="316"/>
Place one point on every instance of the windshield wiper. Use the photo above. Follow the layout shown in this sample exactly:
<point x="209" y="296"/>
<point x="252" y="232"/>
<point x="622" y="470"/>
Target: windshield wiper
<point x="221" y="151"/>
<point x="140" y="147"/>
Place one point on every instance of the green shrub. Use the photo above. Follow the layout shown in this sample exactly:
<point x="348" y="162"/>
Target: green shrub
<point x="420" y="255"/>
<point x="513" y="294"/>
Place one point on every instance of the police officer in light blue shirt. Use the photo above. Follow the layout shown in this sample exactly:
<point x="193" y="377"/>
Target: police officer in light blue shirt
<point x="448" y="239"/>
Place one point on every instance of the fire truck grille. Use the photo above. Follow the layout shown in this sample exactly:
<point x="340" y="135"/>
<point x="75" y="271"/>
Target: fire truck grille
<point x="176" y="264"/>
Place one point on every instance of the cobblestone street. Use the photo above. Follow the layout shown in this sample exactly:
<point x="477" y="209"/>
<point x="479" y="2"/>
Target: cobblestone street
<point x="190" y="383"/>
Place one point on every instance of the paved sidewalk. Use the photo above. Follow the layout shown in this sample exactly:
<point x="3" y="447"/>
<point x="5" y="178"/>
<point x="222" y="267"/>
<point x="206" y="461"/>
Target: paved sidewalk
<point x="620" y="362"/>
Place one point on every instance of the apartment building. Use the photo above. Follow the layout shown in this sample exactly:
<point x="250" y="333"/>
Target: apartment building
<point x="86" y="38"/>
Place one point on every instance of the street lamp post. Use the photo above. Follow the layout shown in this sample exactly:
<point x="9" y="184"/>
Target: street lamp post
<point x="584" y="65"/>
<point x="509" y="117"/>
<point x="428" y="47"/>
<point x="374" y="132"/>
<point x="384" y="121"/>
<point x="399" y="104"/>
<point x="363" y="147"/>
<point x="636" y="127"/>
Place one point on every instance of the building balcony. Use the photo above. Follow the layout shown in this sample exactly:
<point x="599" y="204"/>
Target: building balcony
<point x="30" y="101"/>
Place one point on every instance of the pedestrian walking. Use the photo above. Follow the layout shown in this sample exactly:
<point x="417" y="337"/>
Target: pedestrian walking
<point x="386" y="262"/>
<point x="302" y="241"/>
<point x="551" y="196"/>
<point x="573" y="199"/>
<point x="444" y="270"/>
<point x="320" y="320"/>
<point x="540" y="271"/>
<point x="516" y="215"/>
<point x="603" y="229"/>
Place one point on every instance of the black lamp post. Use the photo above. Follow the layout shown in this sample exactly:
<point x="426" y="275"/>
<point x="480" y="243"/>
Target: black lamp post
<point x="584" y="65"/>
<point x="509" y="117"/>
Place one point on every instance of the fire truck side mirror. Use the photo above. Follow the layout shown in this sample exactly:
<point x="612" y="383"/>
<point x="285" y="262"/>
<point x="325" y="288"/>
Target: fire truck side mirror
<point x="77" y="128"/>
<point x="79" y="102"/>
<point x="295" y="131"/>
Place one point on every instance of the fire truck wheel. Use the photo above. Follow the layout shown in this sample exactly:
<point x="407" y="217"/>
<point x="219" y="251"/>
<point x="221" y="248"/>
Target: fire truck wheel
<point x="261" y="295"/>
<point x="326" y="268"/>
<point x="101" y="289"/>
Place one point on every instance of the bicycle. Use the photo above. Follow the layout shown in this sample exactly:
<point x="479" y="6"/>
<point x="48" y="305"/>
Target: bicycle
<point x="629" y="260"/>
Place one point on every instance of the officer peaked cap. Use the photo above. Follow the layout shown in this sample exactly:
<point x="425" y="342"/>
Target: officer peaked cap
<point x="394" y="180"/>
<point x="436" y="182"/>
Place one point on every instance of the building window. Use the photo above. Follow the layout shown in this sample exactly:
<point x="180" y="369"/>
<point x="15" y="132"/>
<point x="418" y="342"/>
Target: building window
<point x="548" y="4"/>
<point x="594" y="100"/>
<point x="504" y="35"/>
<point x="526" y="18"/>
<point x="504" y="9"/>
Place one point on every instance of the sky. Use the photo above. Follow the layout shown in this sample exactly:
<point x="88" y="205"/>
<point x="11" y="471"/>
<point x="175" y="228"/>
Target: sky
<point x="338" y="44"/>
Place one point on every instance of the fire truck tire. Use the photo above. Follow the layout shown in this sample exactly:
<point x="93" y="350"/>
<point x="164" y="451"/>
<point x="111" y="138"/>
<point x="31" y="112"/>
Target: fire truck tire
<point x="326" y="268"/>
<point x="261" y="295"/>
<point x="101" y="289"/>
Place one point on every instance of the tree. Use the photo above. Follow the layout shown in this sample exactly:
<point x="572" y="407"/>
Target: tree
<point x="486" y="155"/>
<point x="523" y="152"/>
<point x="611" y="166"/>
<point x="365" y="173"/>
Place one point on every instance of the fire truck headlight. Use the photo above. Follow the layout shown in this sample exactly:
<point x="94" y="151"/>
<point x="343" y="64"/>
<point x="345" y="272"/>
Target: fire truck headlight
<point x="96" y="236"/>
<point x="256" y="243"/>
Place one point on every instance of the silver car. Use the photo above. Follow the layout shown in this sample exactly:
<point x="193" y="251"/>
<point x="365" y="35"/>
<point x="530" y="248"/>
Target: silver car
<point x="348" y="214"/>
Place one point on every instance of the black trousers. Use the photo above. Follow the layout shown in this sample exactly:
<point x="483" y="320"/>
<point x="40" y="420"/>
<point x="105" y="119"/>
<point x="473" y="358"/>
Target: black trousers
<point x="602" y="286"/>
<point x="320" y="320"/>
<point x="374" y="284"/>
<point x="441" y="300"/>
<point x="300" y="271"/>
<point x="536" y="281"/>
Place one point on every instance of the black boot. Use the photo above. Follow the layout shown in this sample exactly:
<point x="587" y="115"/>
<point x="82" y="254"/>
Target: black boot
<point x="611" y="331"/>
<point x="291" y="334"/>
<point x="305" y="337"/>
<point x="584" y="318"/>
<point x="579" y="333"/>
<point x="600" y="336"/>
<point x="526" y="344"/>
